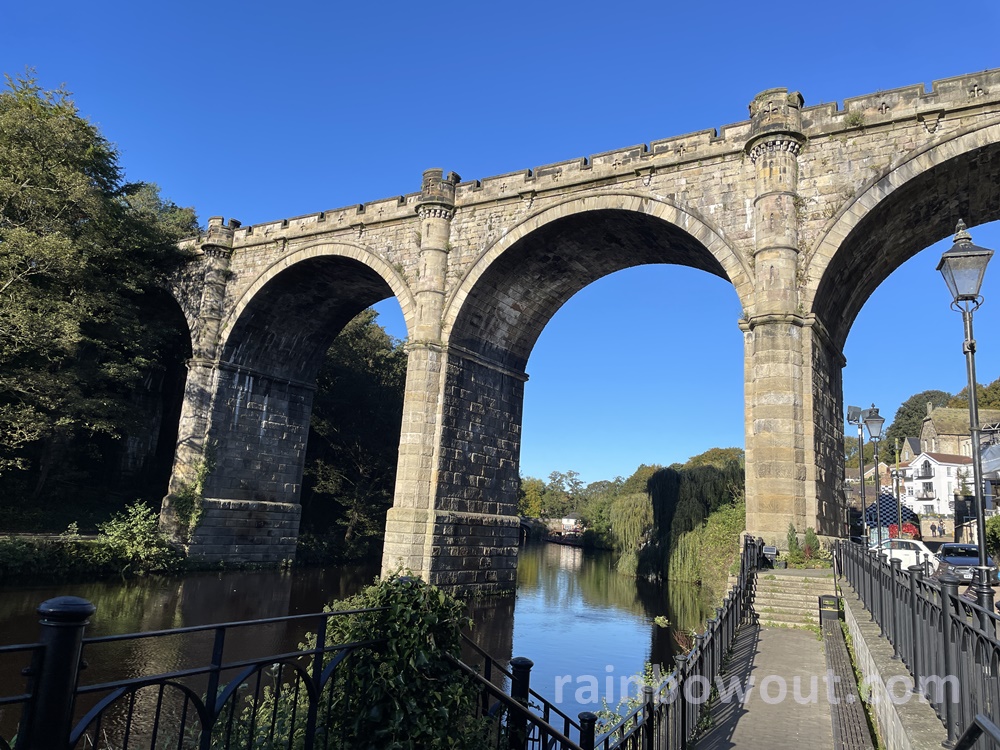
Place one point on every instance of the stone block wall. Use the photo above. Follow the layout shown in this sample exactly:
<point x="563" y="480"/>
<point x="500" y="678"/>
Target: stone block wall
<point x="246" y="531"/>
<point x="258" y="437"/>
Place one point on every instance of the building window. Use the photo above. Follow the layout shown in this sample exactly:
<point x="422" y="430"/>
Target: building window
<point x="950" y="471"/>
<point x="928" y="509"/>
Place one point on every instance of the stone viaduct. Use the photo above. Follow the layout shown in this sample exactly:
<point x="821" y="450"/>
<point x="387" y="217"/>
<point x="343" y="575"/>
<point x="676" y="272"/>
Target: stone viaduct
<point x="805" y="210"/>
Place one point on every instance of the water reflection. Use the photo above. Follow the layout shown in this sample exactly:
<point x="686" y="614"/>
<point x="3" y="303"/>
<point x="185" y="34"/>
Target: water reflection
<point x="581" y="622"/>
<point x="573" y="615"/>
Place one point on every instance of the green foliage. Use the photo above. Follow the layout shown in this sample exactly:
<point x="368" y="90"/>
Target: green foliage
<point x="989" y="396"/>
<point x="83" y="253"/>
<point x="186" y="503"/>
<point x="529" y="497"/>
<point x="631" y="519"/>
<point x="908" y="419"/>
<point x="403" y="694"/>
<point x="683" y="498"/>
<point x="792" y="539"/>
<point x="128" y="544"/>
<point x="706" y="554"/>
<point x="808" y="554"/>
<point x="353" y="444"/>
<point x="810" y="545"/>
<point x="993" y="536"/>
<point x="718" y="457"/>
<point x="132" y="538"/>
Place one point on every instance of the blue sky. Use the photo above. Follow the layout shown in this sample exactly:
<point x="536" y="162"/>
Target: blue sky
<point x="261" y="111"/>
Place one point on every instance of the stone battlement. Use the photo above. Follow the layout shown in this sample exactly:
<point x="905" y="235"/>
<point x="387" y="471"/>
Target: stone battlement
<point x="945" y="96"/>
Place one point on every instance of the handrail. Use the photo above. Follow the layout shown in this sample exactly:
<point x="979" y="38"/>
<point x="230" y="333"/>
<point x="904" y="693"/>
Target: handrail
<point x="545" y="703"/>
<point x="975" y="730"/>
<point x="565" y="742"/>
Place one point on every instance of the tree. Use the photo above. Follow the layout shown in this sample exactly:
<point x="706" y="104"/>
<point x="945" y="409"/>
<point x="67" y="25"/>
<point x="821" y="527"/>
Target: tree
<point x="989" y="396"/>
<point x="909" y="417"/>
<point x="81" y="251"/>
<point x="716" y="457"/>
<point x="354" y="433"/>
<point x="529" y="497"/>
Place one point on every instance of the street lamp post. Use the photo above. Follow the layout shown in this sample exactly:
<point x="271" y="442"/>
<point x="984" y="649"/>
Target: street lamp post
<point x="856" y="416"/>
<point x="963" y="268"/>
<point x="897" y="476"/>
<point x="874" y="424"/>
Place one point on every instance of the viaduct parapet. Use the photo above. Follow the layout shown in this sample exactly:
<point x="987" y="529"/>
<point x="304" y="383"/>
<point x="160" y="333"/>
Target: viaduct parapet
<point x="804" y="210"/>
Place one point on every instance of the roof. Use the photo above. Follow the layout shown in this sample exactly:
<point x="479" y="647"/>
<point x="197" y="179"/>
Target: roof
<point x="942" y="458"/>
<point x="956" y="421"/>
<point x="913" y="444"/>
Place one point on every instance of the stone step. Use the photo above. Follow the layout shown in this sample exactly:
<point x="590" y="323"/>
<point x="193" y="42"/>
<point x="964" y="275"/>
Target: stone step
<point x="781" y="622"/>
<point x="768" y="610"/>
<point x="806" y="601"/>
<point x="782" y="586"/>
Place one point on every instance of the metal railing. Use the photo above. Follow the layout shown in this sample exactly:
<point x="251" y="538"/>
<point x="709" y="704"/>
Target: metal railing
<point x="294" y="698"/>
<point x="300" y="699"/>
<point x="665" y="718"/>
<point x="946" y="640"/>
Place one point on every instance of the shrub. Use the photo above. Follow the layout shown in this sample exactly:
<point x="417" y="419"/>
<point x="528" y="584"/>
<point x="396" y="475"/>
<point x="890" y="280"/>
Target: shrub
<point x="132" y="539"/>
<point x="403" y="694"/>
<point x="810" y="546"/>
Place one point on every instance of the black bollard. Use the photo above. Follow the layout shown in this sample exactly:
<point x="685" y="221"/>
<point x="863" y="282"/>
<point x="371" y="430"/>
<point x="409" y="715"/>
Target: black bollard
<point x="520" y="686"/>
<point x="588" y="723"/>
<point x="54" y="672"/>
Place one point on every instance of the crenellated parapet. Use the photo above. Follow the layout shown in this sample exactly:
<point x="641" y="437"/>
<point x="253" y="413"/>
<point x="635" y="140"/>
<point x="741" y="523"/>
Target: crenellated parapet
<point x="804" y="210"/>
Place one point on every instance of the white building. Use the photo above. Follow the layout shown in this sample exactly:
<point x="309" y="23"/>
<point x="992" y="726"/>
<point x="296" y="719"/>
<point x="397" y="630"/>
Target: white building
<point x="932" y="480"/>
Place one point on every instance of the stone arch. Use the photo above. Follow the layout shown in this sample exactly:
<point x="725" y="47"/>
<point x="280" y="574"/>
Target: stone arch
<point x="376" y="280"/>
<point x="519" y="282"/>
<point x="490" y="324"/>
<point x="896" y="215"/>
<point x="271" y="348"/>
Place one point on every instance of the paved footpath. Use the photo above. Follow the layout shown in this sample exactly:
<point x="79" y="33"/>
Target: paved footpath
<point x="774" y="657"/>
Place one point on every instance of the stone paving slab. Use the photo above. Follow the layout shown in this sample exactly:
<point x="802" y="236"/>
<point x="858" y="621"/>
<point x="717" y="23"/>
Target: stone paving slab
<point x="773" y="658"/>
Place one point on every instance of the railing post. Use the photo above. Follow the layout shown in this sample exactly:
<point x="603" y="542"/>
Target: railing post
<point x="520" y="686"/>
<point x="55" y="670"/>
<point x="949" y="593"/>
<point x="916" y="639"/>
<point x="895" y="603"/>
<point x="680" y="661"/>
<point x="649" y="719"/>
<point x="588" y="723"/>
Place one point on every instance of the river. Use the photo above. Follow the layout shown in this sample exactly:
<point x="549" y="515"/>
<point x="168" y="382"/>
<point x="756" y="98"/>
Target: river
<point x="585" y="627"/>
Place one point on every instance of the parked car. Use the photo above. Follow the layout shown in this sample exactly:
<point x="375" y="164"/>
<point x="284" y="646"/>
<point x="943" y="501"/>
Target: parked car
<point x="909" y="552"/>
<point x="961" y="560"/>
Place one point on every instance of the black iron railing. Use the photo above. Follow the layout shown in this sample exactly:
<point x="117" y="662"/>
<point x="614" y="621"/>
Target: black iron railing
<point x="292" y="699"/>
<point x="300" y="699"/>
<point x="946" y="640"/>
<point x="666" y="717"/>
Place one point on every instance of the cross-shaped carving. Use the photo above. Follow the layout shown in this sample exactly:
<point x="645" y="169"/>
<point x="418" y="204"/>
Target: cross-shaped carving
<point x="769" y="111"/>
<point x="503" y="187"/>
<point x="975" y="92"/>
<point x="883" y="108"/>
<point x="680" y="148"/>
<point x="380" y="212"/>
<point x="616" y="163"/>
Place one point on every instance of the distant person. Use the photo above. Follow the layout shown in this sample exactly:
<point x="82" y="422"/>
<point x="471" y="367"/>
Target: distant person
<point x="933" y="529"/>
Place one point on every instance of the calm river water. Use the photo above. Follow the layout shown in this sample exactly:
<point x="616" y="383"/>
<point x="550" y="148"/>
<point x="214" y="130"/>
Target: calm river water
<point x="573" y="616"/>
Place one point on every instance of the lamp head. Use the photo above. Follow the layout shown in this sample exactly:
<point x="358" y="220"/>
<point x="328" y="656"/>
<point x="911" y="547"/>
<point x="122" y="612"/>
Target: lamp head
<point x="874" y="423"/>
<point x="964" y="266"/>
